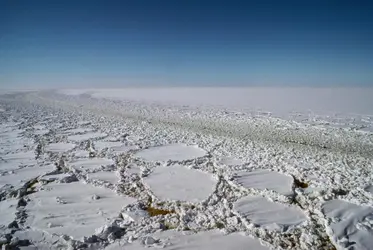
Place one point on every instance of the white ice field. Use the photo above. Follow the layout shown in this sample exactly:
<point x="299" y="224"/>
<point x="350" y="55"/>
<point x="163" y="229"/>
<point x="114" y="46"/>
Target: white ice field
<point x="187" y="168"/>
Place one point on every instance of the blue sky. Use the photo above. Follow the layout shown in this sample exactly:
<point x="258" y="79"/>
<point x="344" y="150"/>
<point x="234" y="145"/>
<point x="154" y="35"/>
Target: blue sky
<point x="185" y="43"/>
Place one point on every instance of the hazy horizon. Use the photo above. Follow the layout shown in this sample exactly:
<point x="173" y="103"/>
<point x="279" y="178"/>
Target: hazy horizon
<point x="113" y="44"/>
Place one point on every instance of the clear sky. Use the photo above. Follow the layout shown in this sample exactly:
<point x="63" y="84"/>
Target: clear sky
<point x="85" y="43"/>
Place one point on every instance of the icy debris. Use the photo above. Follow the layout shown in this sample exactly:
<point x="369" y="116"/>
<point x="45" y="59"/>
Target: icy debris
<point x="269" y="215"/>
<point x="110" y="177"/>
<point x="266" y="179"/>
<point x="78" y="215"/>
<point x="173" y="152"/>
<point x="59" y="147"/>
<point x="41" y="240"/>
<point x="209" y="240"/>
<point x="91" y="164"/>
<point x="177" y="182"/>
<point x="351" y="226"/>
<point x="87" y="136"/>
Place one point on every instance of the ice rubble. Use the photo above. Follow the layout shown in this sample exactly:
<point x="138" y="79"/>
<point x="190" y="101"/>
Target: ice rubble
<point x="180" y="183"/>
<point x="173" y="152"/>
<point x="269" y="215"/>
<point x="351" y="225"/>
<point x="210" y="240"/>
<point x="74" y="209"/>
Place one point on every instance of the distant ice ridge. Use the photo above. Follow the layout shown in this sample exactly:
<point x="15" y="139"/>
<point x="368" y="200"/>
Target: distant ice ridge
<point x="277" y="100"/>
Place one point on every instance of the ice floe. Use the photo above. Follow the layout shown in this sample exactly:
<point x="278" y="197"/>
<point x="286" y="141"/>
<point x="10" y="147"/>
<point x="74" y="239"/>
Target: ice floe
<point x="351" y="225"/>
<point x="74" y="209"/>
<point x="60" y="147"/>
<point x="269" y="215"/>
<point x="265" y="179"/>
<point x="180" y="183"/>
<point x="173" y="152"/>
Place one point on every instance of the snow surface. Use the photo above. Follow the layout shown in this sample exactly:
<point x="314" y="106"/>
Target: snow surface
<point x="69" y="209"/>
<point x="266" y="179"/>
<point x="180" y="183"/>
<point x="351" y="225"/>
<point x="269" y="215"/>
<point x="59" y="147"/>
<point x="173" y="152"/>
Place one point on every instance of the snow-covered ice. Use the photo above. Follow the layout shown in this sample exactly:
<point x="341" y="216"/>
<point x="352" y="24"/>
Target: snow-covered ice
<point x="269" y="215"/>
<point x="180" y="183"/>
<point x="351" y="225"/>
<point x="266" y="179"/>
<point x="173" y="152"/>
<point x="190" y="168"/>
<point x="71" y="209"/>
<point x="59" y="147"/>
<point x="20" y="176"/>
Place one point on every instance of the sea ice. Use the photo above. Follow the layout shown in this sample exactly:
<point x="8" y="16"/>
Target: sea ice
<point x="180" y="183"/>
<point x="91" y="163"/>
<point x="60" y="147"/>
<point x="70" y="209"/>
<point x="266" y="179"/>
<point x="351" y="225"/>
<point x="269" y="215"/>
<point x="174" y="152"/>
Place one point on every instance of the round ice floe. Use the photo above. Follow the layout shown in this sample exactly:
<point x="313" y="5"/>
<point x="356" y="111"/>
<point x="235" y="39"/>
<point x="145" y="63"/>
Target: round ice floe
<point x="180" y="183"/>
<point x="269" y="215"/>
<point x="86" y="136"/>
<point x="351" y="226"/>
<point x="68" y="208"/>
<point x="266" y="179"/>
<point x="174" y="152"/>
<point x="210" y="240"/>
<point x="60" y="147"/>
<point x="91" y="163"/>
